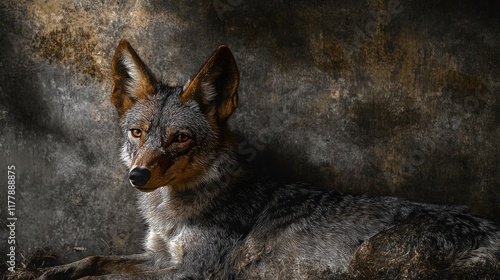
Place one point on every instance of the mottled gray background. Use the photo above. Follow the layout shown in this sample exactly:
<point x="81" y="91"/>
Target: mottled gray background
<point x="384" y="97"/>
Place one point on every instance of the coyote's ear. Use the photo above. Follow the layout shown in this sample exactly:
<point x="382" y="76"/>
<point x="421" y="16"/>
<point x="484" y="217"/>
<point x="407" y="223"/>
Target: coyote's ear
<point x="132" y="80"/>
<point x="215" y="86"/>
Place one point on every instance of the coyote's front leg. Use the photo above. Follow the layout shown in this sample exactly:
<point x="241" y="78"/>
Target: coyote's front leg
<point x="100" y="265"/>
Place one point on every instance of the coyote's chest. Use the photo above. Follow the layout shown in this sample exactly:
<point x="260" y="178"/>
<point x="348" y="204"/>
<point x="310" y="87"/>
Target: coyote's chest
<point x="169" y="238"/>
<point x="171" y="247"/>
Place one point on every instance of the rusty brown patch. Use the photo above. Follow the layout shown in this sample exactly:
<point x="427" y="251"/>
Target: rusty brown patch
<point x="75" y="48"/>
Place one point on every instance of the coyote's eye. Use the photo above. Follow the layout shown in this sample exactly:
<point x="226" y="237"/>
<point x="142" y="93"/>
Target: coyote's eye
<point x="136" y="132"/>
<point x="180" y="138"/>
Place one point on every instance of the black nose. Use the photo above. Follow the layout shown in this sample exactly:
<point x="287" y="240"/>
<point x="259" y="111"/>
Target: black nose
<point x="139" y="176"/>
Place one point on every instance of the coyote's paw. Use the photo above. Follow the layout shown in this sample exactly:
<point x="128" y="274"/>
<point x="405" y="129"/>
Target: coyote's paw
<point x="60" y="272"/>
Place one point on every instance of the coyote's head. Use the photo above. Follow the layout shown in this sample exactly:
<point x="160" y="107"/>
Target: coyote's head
<point x="174" y="136"/>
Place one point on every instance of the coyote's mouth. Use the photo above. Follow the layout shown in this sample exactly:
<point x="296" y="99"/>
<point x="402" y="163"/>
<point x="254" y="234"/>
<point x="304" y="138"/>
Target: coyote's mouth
<point x="146" y="190"/>
<point x="151" y="186"/>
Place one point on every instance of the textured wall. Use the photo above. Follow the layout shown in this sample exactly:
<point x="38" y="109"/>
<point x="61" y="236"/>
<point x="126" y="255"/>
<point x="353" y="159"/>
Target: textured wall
<point x="386" y="97"/>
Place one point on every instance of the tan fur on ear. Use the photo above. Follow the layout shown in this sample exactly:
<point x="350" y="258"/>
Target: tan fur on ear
<point x="215" y="87"/>
<point x="132" y="80"/>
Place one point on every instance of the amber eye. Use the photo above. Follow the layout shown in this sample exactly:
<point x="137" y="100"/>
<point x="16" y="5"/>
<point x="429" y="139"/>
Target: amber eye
<point x="136" y="132"/>
<point x="180" y="138"/>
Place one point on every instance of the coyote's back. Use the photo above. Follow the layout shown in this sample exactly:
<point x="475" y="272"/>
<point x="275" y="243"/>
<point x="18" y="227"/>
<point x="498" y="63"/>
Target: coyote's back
<point x="210" y="217"/>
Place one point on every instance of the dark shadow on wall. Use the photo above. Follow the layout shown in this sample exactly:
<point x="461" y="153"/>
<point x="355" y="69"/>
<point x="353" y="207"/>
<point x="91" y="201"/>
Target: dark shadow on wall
<point x="438" y="167"/>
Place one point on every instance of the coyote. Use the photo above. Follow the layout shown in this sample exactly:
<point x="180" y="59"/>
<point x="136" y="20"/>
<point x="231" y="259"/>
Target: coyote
<point x="212" y="217"/>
